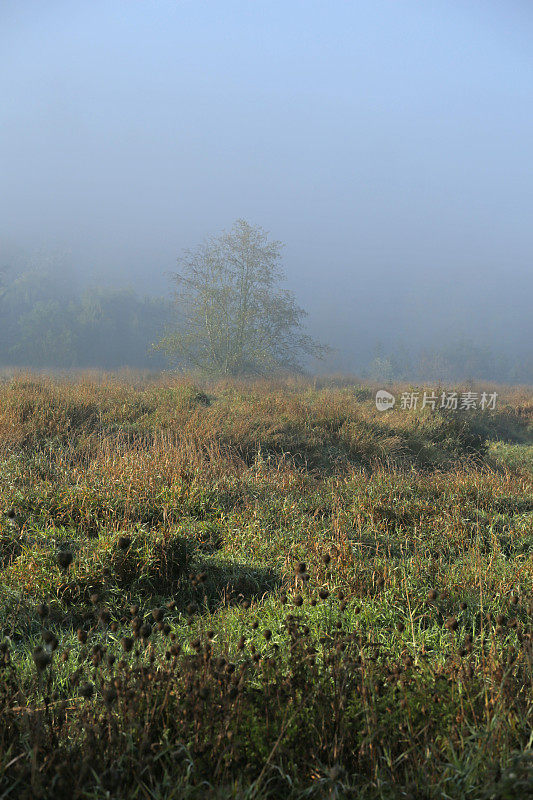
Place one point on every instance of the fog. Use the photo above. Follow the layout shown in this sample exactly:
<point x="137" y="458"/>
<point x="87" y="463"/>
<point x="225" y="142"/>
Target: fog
<point x="387" y="143"/>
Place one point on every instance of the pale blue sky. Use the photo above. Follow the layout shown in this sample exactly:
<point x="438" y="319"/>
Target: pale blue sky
<point x="388" y="143"/>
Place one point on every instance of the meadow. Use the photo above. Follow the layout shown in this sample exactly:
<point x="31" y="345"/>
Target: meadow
<point x="262" y="589"/>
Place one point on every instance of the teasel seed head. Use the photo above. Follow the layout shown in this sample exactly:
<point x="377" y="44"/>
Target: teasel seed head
<point x="64" y="559"/>
<point x="124" y="542"/>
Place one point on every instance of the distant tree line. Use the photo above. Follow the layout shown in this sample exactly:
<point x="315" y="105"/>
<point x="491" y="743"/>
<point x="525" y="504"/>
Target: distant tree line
<point x="228" y="315"/>
<point x="46" y="322"/>
<point x="458" y="360"/>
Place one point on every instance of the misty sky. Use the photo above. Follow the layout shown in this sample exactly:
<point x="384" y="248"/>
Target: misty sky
<point x="387" y="143"/>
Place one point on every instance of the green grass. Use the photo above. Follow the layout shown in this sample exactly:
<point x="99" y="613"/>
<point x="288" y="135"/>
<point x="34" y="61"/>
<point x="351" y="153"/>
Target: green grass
<point x="514" y="456"/>
<point x="346" y="597"/>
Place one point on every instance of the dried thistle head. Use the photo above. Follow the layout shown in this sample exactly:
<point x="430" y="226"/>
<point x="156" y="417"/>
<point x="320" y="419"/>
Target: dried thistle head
<point x="145" y="630"/>
<point x="104" y="617"/>
<point x="110" y="695"/>
<point x="124" y="542"/>
<point x="87" y="690"/>
<point x="451" y="624"/>
<point x="50" y="640"/>
<point x="41" y="658"/>
<point x="64" y="559"/>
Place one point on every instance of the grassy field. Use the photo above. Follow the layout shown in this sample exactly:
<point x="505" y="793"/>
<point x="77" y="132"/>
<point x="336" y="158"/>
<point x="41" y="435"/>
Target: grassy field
<point x="262" y="590"/>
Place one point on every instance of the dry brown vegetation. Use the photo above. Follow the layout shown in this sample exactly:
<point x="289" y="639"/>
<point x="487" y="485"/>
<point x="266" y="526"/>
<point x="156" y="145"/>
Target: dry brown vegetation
<point x="263" y="589"/>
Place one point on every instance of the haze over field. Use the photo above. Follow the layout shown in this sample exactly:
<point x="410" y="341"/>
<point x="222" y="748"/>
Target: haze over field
<point x="387" y="144"/>
<point x="266" y="399"/>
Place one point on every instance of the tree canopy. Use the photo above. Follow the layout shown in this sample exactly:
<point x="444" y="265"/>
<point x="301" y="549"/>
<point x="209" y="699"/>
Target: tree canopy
<point x="47" y="322"/>
<point x="234" y="316"/>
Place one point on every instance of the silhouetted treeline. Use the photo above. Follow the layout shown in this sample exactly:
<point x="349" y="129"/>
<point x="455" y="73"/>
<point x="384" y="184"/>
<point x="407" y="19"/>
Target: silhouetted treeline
<point x="46" y="321"/>
<point x="458" y="360"/>
<point x="49" y="320"/>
